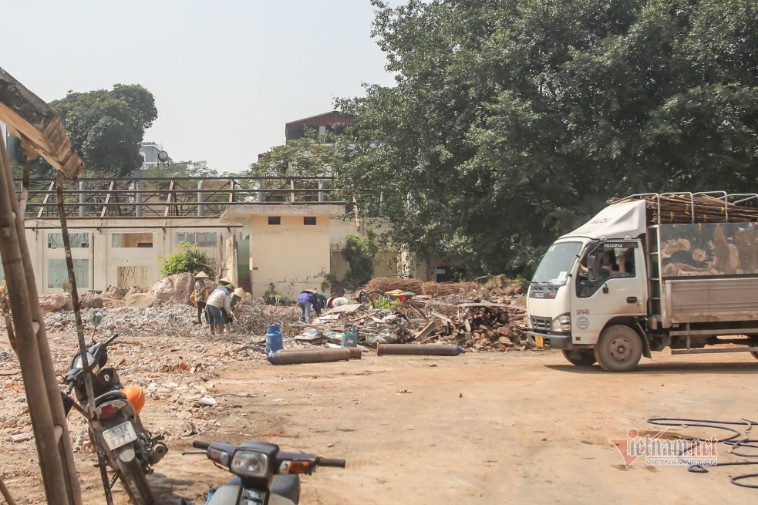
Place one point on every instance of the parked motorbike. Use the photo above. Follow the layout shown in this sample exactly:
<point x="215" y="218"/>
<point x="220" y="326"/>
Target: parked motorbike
<point x="263" y="473"/>
<point x="130" y="450"/>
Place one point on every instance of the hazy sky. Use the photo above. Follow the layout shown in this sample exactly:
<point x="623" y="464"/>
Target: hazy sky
<point x="226" y="74"/>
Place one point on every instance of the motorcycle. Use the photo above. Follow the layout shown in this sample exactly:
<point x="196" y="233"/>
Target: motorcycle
<point x="263" y="474"/>
<point x="129" y="449"/>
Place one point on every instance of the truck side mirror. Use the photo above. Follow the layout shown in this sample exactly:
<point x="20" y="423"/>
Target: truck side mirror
<point x="592" y="267"/>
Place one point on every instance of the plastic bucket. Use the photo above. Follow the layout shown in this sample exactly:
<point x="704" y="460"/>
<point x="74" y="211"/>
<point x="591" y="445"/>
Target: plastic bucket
<point x="273" y="338"/>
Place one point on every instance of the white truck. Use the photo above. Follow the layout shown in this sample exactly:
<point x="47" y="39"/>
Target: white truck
<point x="651" y="271"/>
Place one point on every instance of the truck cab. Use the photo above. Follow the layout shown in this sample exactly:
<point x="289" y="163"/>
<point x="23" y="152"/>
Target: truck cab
<point x="582" y="287"/>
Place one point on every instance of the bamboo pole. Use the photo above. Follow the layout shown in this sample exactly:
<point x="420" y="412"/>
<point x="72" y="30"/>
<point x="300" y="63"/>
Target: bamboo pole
<point x="6" y="494"/>
<point x="94" y="422"/>
<point x="46" y="410"/>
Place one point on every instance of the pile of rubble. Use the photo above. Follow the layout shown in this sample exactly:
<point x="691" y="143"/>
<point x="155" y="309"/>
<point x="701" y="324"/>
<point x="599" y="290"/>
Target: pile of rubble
<point x="474" y="316"/>
<point x="482" y="316"/>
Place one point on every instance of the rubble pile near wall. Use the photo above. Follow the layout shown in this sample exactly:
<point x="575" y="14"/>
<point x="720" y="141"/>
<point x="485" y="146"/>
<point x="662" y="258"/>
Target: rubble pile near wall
<point x="476" y="316"/>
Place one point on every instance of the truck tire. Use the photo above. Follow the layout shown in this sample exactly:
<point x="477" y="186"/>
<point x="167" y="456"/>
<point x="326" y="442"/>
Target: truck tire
<point x="619" y="349"/>
<point x="584" y="357"/>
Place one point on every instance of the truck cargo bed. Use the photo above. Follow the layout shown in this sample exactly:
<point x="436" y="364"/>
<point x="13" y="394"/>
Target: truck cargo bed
<point x="697" y="300"/>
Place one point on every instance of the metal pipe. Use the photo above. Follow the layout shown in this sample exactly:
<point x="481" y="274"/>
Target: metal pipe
<point x="200" y="195"/>
<point x="355" y="352"/>
<point x="258" y="191"/>
<point x="82" y="200"/>
<point x="308" y="356"/>
<point x="138" y="209"/>
<point x="415" y="349"/>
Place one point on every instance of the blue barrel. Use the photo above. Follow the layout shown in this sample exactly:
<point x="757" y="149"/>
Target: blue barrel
<point x="273" y="338"/>
<point x="350" y="336"/>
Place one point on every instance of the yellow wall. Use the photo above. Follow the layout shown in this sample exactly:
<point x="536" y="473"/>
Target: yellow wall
<point x="291" y="255"/>
<point x="104" y="260"/>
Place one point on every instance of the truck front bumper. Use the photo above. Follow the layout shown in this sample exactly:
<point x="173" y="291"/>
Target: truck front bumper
<point x="549" y="340"/>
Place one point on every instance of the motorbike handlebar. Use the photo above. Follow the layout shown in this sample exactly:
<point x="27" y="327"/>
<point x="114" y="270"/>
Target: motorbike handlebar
<point x="110" y="339"/>
<point x="339" y="463"/>
<point x="200" y="445"/>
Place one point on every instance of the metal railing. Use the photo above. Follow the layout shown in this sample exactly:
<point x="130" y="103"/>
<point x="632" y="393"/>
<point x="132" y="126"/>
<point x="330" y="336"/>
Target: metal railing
<point x="173" y="197"/>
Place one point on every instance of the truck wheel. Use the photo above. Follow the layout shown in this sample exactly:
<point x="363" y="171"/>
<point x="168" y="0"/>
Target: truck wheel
<point x="619" y="349"/>
<point x="583" y="357"/>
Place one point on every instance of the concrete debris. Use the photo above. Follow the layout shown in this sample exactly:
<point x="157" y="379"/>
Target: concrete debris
<point x="474" y="316"/>
<point x="21" y="437"/>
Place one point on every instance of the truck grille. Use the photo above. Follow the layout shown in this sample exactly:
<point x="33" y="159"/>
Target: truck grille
<point x="541" y="323"/>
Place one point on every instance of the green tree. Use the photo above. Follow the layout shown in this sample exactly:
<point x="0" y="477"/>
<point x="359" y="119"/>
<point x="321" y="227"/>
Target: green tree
<point x="181" y="169"/>
<point x="305" y="157"/>
<point x="107" y="127"/>
<point x="359" y="252"/>
<point x="513" y="121"/>
<point x="188" y="259"/>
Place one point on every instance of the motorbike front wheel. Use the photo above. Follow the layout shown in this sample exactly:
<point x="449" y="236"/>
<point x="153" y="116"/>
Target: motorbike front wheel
<point x="134" y="481"/>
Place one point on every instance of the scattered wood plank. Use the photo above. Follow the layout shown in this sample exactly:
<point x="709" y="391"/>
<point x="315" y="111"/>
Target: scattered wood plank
<point x="426" y="330"/>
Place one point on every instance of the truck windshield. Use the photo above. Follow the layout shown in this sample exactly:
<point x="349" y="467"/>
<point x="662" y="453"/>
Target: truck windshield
<point x="556" y="263"/>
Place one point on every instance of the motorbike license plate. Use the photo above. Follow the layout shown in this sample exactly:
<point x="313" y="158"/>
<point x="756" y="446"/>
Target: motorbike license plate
<point x="539" y="341"/>
<point x="119" y="435"/>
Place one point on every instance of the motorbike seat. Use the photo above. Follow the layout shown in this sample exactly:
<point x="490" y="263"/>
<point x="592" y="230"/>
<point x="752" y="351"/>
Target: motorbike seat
<point x="110" y="396"/>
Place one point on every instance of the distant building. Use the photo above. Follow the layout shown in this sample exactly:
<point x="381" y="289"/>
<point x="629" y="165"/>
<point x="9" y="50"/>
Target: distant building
<point x="323" y="123"/>
<point x="154" y="154"/>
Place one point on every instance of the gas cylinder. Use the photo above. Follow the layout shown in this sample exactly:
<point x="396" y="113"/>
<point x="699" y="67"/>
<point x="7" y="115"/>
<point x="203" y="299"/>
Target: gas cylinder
<point x="273" y="338"/>
<point x="350" y="336"/>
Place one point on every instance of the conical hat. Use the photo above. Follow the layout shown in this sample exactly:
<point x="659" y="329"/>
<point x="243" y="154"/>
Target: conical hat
<point x="239" y="292"/>
<point x="201" y="275"/>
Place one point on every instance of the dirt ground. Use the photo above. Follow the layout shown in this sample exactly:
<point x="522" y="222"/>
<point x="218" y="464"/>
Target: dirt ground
<point x="480" y="428"/>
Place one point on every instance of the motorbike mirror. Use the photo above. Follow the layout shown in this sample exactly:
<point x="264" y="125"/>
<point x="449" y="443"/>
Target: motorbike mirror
<point x="96" y="317"/>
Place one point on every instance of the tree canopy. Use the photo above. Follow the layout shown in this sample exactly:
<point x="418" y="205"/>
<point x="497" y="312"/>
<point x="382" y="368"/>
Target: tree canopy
<point x="512" y="121"/>
<point x="107" y="127"/>
<point x="303" y="157"/>
<point x="306" y="157"/>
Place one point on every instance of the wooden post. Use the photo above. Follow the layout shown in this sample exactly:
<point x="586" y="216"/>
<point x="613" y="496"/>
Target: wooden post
<point x="46" y="409"/>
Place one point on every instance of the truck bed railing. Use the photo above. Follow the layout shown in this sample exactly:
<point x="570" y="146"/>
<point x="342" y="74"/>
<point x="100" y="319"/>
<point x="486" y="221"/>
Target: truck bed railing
<point x="701" y="207"/>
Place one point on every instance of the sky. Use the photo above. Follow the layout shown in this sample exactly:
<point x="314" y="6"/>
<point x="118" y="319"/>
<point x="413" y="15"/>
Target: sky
<point x="226" y="75"/>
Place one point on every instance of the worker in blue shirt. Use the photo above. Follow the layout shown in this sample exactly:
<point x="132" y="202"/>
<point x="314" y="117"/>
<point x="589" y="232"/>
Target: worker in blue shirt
<point x="305" y="300"/>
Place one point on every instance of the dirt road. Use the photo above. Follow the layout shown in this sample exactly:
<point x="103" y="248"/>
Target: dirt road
<point x="481" y="428"/>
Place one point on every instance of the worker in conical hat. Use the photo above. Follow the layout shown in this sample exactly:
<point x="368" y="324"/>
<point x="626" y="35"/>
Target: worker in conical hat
<point x="219" y="309"/>
<point x="200" y="294"/>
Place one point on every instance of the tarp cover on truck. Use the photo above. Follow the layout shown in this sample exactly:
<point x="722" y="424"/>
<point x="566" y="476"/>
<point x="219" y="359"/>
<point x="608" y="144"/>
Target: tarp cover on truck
<point x="620" y="220"/>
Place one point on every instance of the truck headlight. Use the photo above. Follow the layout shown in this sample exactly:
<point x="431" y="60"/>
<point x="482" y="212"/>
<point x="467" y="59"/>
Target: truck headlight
<point x="562" y="323"/>
<point x="249" y="463"/>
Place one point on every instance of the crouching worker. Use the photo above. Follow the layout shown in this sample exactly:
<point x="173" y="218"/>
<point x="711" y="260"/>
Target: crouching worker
<point x="219" y="308"/>
<point x="305" y="300"/>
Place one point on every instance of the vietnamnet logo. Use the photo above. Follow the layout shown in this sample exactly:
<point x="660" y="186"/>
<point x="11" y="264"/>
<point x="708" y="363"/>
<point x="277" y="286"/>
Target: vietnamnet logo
<point x="659" y="451"/>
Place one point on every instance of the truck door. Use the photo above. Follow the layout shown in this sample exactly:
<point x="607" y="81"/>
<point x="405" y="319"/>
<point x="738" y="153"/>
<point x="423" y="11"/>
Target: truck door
<point x="610" y="283"/>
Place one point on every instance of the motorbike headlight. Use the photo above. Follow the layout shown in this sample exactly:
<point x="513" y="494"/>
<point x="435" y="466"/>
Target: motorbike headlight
<point x="250" y="463"/>
<point x="562" y="323"/>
